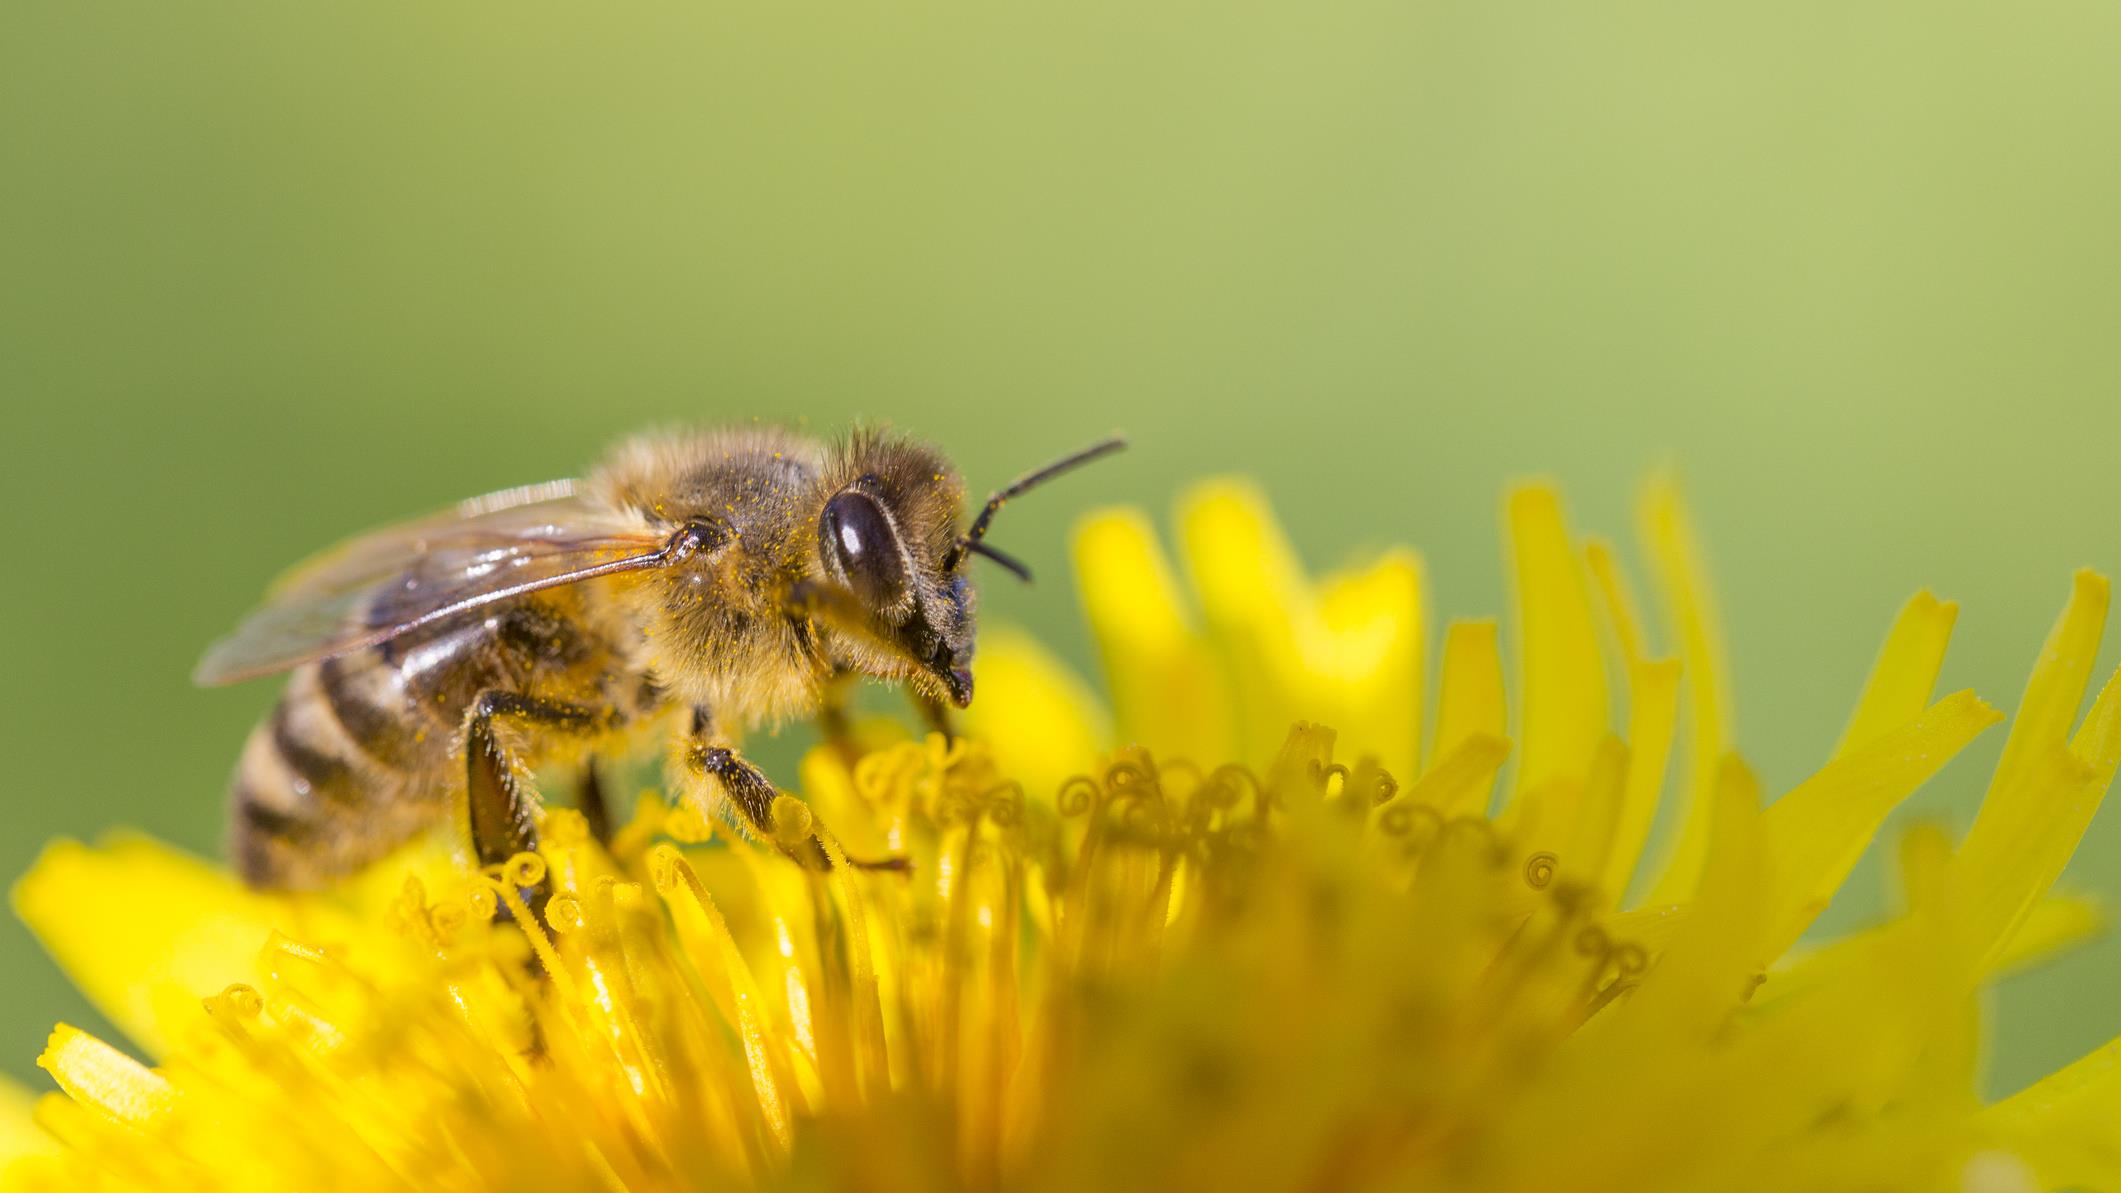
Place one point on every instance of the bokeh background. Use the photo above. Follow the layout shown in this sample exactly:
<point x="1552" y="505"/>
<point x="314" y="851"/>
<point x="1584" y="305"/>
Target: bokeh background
<point x="272" y="273"/>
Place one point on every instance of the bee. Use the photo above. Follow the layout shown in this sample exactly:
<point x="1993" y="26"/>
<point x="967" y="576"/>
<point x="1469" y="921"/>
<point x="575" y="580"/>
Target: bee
<point x="697" y="585"/>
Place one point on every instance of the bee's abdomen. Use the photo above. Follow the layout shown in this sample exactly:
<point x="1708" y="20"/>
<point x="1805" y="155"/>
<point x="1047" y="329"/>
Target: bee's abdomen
<point x="360" y="755"/>
<point x="350" y="764"/>
<point x="355" y="756"/>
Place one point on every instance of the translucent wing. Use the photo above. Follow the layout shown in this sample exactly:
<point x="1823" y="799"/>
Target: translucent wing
<point x="508" y="514"/>
<point x="375" y="587"/>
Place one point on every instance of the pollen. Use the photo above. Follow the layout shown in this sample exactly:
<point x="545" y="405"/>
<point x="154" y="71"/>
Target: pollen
<point x="1262" y="915"/>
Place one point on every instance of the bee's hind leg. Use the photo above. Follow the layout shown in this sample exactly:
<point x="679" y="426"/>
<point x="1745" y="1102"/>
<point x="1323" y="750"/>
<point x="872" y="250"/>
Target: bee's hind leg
<point x="502" y="818"/>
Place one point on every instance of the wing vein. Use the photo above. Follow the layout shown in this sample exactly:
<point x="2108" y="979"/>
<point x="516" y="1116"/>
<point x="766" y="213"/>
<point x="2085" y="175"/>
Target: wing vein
<point x="399" y="579"/>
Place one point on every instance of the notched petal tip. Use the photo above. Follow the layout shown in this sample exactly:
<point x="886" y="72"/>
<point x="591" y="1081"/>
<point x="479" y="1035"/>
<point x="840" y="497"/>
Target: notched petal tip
<point x="96" y="1074"/>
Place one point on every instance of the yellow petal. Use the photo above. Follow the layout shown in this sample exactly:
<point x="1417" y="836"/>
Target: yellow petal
<point x="1818" y="831"/>
<point x="2056" y="925"/>
<point x="2046" y="788"/>
<point x="1668" y="537"/>
<point x="1364" y="660"/>
<point x="1564" y="713"/>
<point x="1657" y="1037"/>
<point x="1459" y="783"/>
<point x="2056" y="689"/>
<point x="1347" y="653"/>
<point x="2008" y="861"/>
<point x="731" y="985"/>
<point x="2098" y="741"/>
<point x="1653" y="720"/>
<point x="1906" y="672"/>
<point x="1925" y="856"/>
<point x="1041" y="721"/>
<point x="1471" y="702"/>
<point x="20" y="1136"/>
<point x="1253" y="595"/>
<point x="1617" y="599"/>
<point x="2063" y="1124"/>
<point x="146" y="960"/>
<point x="1726" y="934"/>
<point x="96" y="1074"/>
<point x="1166" y="692"/>
<point x="1588" y="846"/>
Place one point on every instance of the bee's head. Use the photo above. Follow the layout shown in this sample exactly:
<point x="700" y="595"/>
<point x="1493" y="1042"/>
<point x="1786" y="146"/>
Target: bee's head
<point x="888" y="537"/>
<point x="882" y="537"/>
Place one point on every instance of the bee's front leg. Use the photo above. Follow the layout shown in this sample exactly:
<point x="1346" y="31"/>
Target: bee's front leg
<point x="935" y="714"/>
<point x="752" y="794"/>
<point x="834" y="720"/>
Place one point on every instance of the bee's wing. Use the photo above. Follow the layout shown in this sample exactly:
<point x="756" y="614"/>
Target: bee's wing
<point x="376" y="587"/>
<point x="383" y="553"/>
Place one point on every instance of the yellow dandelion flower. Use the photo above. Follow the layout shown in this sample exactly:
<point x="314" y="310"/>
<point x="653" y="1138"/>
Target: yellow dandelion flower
<point x="1387" y="947"/>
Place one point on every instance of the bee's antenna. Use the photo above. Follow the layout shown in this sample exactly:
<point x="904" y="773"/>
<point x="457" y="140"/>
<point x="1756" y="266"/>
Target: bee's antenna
<point x="1008" y="561"/>
<point x="1017" y="488"/>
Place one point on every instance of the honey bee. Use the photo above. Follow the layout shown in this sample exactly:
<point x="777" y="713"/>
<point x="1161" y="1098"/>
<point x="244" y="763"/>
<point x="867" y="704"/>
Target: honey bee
<point x="701" y="584"/>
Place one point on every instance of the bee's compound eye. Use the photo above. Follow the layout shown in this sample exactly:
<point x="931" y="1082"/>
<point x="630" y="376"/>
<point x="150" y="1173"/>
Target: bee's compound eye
<point x="859" y="542"/>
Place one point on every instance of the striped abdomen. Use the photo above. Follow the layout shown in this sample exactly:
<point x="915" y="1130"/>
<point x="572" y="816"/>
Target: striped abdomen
<point x="362" y="752"/>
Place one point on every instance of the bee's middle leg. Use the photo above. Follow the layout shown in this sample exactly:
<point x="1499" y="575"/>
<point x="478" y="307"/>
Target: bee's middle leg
<point x="500" y="812"/>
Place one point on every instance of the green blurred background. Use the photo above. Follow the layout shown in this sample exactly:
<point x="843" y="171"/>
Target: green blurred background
<point x="272" y="273"/>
